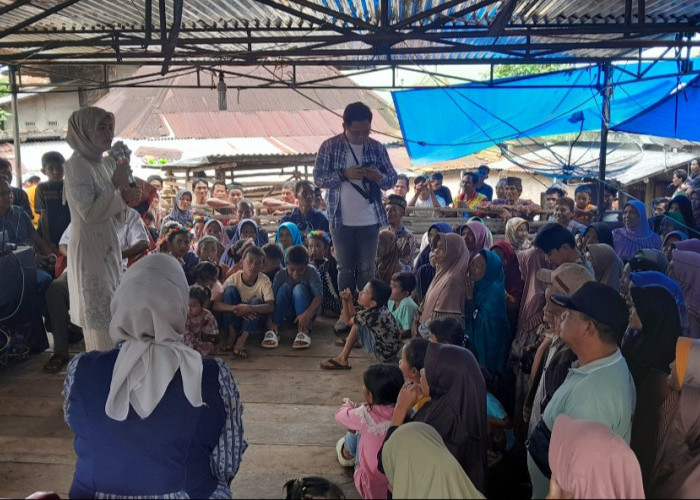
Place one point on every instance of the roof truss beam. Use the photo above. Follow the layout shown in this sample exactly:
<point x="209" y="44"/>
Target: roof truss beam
<point x="28" y="22"/>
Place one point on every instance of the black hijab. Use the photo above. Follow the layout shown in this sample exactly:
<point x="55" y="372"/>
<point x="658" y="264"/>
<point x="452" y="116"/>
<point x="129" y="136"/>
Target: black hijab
<point x="457" y="409"/>
<point x="603" y="231"/>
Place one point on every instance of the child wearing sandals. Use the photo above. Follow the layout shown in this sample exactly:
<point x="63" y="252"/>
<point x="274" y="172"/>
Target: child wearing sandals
<point x="201" y="327"/>
<point x="374" y="327"/>
<point x="298" y="295"/>
<point x="367" y="424"/>
<point x="247" y="296"/>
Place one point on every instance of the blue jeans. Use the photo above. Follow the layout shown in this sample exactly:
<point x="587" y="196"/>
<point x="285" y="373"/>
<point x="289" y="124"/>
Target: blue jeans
<point x="352" y="444"/>
<point x="290" y="302"/>
<point x="233" y="297"/>
<point x="356" y="252"/>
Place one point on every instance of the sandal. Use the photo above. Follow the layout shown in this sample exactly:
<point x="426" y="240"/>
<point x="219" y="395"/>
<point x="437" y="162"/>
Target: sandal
<point x="270" y="341"/>
<point x="332" y="364"/>
<point x="240" y="354"/>
<point x="56" y="362"/>
<point x="301" y="341"/>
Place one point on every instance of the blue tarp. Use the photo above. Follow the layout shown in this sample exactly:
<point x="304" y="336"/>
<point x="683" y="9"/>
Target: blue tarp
<point x="451" y="122"/>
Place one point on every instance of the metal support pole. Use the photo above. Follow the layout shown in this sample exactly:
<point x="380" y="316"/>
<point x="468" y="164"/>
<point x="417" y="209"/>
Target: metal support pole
<point x="604" y="127"/>
<point x="15" y="117"/>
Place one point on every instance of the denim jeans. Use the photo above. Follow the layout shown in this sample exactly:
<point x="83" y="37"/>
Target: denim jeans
<point x="356" y="253"/>
<point x="291" y="301"/>
<point x="233" y="297"/>
<point x="352" y="444"/>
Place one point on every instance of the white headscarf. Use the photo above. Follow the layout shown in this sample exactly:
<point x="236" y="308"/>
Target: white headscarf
<point x="82" y="125"/>
<point x="149" y="310"/>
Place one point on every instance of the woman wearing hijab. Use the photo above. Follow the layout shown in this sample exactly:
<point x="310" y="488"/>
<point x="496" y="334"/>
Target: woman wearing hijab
<point x="182" y="209"/>
<point x="215" y="228"/>
<point x="487" y="322"/>
<point x="418" y="465"/>
<point x="691" y="245"/>
<point x="635" y="234"/>
<point x="245" y="229"/>
<point x="517" y="233"/>
<point x="151" y="417"/>
<point x="448" y="291"/>
<point x="425" y="271"/>
<point x="598" y="232"/>
<point x="685" y="270"/>
<point x="489" y="234"/>
<point x="683" y="205"/>
<point x="676" y="472"/>
<point x="588" y="460"/>
<point x="655" y="278"/>
<point x="670" y="240"/>
<point x="292" y="238"/>
<point x="388" y="258"/>
<point x="94" y="188"/>
<point x="513" y="280"/>
<point x="654" y="318"/>
<point x="606" y="265"/>
<point x="452" y="379"/>
<point x="475" y="236"/>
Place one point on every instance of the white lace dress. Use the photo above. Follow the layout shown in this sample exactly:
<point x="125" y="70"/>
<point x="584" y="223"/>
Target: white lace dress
<point x="94" y="255"/>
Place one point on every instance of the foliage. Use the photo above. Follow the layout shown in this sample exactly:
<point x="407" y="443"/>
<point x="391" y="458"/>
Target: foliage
<point x="511" y="70"/>
<point x="4" y="90"/>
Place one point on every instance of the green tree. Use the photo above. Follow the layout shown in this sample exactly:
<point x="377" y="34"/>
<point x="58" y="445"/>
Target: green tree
<point x="511" y="70"/>
<point x="4" y="90"/>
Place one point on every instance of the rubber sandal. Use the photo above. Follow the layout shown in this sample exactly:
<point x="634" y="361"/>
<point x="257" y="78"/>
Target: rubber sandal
<point x="301" y="341"/>
<point x="331" y="364"/>
<point x="345" y="462"/>
<point x="270" y="341"/>
<point x="56" y="363"/>
<point x="241" y="354"/>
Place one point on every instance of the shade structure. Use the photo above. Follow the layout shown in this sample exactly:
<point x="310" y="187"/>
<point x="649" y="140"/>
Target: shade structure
<point x="451" y="122"/>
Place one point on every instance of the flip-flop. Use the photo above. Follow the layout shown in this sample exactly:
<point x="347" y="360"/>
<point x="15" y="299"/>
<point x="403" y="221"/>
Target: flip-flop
<point x="331" y="364"/>
<point x="270" y="341"/>
<point x="301" y="341"/>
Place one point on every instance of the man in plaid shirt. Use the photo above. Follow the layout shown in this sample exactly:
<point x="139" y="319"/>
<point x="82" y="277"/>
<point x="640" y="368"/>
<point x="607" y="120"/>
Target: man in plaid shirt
<point x="346" y="166"/>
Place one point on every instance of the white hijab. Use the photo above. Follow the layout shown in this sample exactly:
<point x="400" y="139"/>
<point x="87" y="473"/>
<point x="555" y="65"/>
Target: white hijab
<point x="82" y="126"/>
<point x="149" y="310"/>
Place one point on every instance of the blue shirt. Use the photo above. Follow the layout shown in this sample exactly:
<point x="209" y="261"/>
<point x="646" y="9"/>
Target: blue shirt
<point x="331" y="161"/>
<point x="310" y="279"/>
<point x="314" y="220"/>
<point x="486" y="190"/>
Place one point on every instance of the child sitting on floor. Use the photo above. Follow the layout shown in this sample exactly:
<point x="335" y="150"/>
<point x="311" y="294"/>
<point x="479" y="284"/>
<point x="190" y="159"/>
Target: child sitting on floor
<point x="206" y="275"/>
<point x="319" y="245"/>
<point x="288" y="235"/>
<point x="298" y="296"/>
<point x="446" y="331"/>
<point x="247" y="296"/>
<point x="175" y="240"/>
<point x="201" y="328"/>
<point x="374" y="327"/>
<point x="273" y="259"/>
<point x="367" y="424"/>
<point x="401" y="304"/>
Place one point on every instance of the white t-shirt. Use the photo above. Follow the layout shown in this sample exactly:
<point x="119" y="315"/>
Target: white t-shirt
<point x="355" y="209"/>
<point x="429" y="202"/>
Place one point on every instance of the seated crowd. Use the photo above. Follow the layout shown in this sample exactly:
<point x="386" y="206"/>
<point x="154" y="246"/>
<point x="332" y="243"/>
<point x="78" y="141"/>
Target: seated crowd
<point x="568" y="361"/>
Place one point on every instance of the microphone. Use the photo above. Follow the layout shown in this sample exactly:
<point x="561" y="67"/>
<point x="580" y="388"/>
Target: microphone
<point x="121" y="152"/>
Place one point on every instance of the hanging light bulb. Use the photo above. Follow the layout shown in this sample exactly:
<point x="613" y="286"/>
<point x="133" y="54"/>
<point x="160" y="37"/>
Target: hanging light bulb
<point x="221" y="89"/>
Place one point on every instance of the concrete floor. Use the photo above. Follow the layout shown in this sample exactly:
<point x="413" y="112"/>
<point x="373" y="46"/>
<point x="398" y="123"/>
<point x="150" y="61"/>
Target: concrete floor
<point x="289" y="403"/>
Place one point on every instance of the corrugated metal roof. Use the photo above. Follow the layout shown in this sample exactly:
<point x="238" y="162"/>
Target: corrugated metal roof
<point x="268" y="32"/>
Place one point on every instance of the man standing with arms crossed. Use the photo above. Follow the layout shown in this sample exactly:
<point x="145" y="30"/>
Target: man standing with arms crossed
<point x="353" y="169"/>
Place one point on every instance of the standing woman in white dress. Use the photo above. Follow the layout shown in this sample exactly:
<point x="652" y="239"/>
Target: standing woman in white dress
<point x="95" y="189"/>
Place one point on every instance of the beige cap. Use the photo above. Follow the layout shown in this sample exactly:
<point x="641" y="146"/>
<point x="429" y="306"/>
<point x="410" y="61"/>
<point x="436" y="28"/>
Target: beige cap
<point x="566" y="278"/>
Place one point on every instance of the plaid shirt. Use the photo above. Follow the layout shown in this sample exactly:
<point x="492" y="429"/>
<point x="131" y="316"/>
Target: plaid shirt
<point x="332" y="159"/>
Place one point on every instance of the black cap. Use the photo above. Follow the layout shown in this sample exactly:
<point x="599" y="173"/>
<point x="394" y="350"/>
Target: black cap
<point x="599" y="302"/>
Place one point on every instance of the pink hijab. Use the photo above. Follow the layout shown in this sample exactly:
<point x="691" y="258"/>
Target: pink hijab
<point x="532" y="302"/>
<point x="685" y="269"/>
<point x="448" y="290"/>
<point x="691" y="245"/>
<point x="588" y="460"/>
<point x="480" y="232"/>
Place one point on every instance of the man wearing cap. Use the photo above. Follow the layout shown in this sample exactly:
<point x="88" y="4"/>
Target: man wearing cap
<point x="564" y="215"/>
<point x="554" y="357"/>
<point x="440" y="190"/>
<point x="599" y="386"/>
<point x="405" y="241"/>
<point x="559" y="246"/>
<point x="515" y="206"/>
